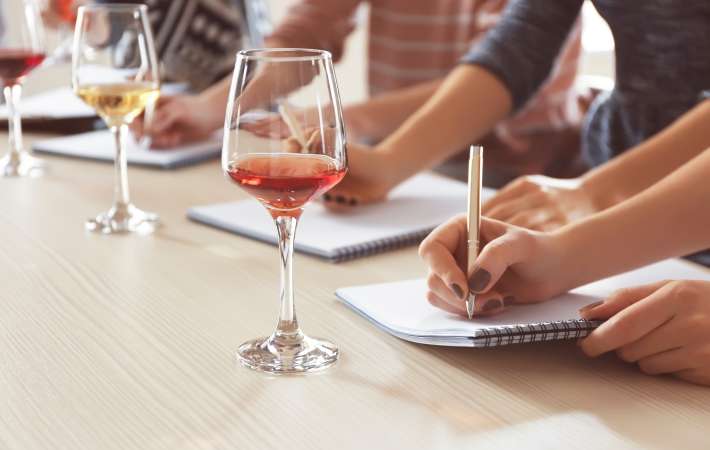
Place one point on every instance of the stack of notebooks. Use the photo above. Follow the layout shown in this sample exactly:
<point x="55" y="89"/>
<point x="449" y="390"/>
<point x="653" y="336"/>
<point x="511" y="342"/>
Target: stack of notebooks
<point x="412" y="210"/>
<point x="401" y="309"/>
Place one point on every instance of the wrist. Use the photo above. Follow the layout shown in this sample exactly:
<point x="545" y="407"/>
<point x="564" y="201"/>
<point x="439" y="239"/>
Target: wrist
<point x="600" y="191"/>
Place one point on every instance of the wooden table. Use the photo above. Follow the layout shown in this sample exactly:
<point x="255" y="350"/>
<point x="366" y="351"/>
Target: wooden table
<point x="127" y="342"/>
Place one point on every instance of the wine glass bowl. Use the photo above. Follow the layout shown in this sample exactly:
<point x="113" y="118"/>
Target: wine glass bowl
<point x="115" y="71"/>
<point x="21" y="51"/>
<point x="284" y="171"/>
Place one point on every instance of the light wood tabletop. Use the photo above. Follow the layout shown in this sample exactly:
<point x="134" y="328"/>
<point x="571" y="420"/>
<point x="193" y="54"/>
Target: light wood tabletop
<point x="128" y="342"/>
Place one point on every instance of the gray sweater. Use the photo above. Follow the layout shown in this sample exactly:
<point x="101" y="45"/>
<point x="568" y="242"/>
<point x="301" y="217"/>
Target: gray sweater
<point x="662" y="63"/>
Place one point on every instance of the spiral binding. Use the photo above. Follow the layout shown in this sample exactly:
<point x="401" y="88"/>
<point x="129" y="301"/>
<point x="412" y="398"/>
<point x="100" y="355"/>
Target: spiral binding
<point x="534" y="332"/>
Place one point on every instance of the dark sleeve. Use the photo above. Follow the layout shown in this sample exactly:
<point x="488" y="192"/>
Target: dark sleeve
<point x="522" y="48"/>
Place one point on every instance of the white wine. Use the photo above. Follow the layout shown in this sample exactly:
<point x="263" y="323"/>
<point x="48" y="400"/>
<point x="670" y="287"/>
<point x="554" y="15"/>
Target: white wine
<point x="118" y="103"/>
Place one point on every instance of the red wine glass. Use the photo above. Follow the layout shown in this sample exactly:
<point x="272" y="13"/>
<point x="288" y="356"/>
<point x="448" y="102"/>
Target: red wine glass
<point x="301" y="160"/>
<point x="21" y="50"/>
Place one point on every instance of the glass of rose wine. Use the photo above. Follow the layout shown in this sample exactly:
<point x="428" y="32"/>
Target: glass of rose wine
<point x="21" y="50"/>
<point x="115" y="71"/>
<point x="302" y="157"/>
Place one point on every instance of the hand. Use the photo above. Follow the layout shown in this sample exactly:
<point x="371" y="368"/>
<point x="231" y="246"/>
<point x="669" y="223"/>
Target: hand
<point x="540" y="203"/>
<point x="179" y="119"/>
<point x="274" y="127"/>
<point x="662" y="327"/>
<point x="368" y="179"/>
<point x="514" y="266"/>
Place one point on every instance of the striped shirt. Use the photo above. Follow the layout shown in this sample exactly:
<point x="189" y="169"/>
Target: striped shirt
<point x="412" y="41"/>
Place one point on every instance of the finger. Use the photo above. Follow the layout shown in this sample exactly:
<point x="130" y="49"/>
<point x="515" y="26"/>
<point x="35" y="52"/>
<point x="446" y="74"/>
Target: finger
<point x="675" y="360"/>
<point x="619" y="300"/>
<point x="451" y="294"/>
<point x="630" y="324"/>
<point x="531" y="219"/>
<point x="507" y="210"/>
<point x="434" y="300"/>
<point x="509" y="247"/>
<point x="488" y="304"/>
<point x="165" y="117"/>
<point x="438" y="250"/>
<point x="137" y="127"/>
<point x="700" y="375"/>
<point x="511" y="191"/>
<point x="664" y="338"/>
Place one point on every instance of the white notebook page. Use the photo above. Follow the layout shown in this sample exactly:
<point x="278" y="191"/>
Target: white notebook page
<point x="401" y="307"/>
<point x="100" y="145"/>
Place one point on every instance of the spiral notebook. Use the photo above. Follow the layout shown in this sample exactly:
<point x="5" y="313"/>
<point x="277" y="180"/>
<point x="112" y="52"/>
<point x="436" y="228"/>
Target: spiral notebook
<point x="412" y="210"/>
<point x="401" y="309"/>
<point x="99" y="145"/>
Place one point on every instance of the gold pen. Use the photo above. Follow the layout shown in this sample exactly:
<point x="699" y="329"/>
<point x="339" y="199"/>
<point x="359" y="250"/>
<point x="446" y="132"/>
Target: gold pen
<point x="475" y="172"/>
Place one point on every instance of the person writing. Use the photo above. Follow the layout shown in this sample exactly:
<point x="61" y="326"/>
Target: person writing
<point x="411" y="48"/>
<point x="663" y="327"/>
<point x="499" y="75"/>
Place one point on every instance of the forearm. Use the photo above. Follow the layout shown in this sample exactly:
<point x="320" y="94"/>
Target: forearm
<point x="380" y="116"/>
<point x="217" y="95"/>
<point x="637" y="169"/>
<point x="469" y="102"/>
<point x="669" y="219"/>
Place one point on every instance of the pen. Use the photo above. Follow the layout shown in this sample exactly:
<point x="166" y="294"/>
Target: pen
<point x="294" y="127"/>
<point x="475" y="171"/>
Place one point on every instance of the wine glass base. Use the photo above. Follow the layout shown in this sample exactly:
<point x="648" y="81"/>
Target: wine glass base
<point x="124" y="219"/>
<point x="278" y="356"/>
<point x="22" y="165"/>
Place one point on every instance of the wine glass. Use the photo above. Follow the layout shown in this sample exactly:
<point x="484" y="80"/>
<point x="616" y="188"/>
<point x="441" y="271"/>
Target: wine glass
<point x="115" y="71"/>
<point x="21" y="50"/>
<point x="284" y="172"/>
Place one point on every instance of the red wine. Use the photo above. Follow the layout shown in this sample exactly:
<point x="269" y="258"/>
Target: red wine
<point x="285" y="182"/>
<point x="15" y="64"/>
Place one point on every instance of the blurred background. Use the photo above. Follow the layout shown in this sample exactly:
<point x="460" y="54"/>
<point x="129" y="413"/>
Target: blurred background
<point x="597" y="60"/>
<point x="596" y="39"/>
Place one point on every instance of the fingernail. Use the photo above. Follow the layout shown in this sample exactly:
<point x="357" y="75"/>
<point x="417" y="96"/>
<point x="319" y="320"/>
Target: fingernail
<point x="457" y="289"/>
<point x="479" y="280"/>
<point x="492" y="304"/>
<point x="327" y="197"/>
<point x="353" y="202"/>
<point x="339" y="199"/>
<point x="509" y="300"/>
<point x="590" y="306"/>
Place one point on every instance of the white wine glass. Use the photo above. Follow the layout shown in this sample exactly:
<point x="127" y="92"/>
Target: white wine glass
<point x="115" y="71"/>
<point x="303" y="158"/>
<point x="21" y="50"/>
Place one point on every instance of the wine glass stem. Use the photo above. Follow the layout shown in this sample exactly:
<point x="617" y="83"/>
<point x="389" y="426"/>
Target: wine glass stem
<point x="288" y="325"/>
<point x="121" y="197"/>
<point x="13" y="93"/>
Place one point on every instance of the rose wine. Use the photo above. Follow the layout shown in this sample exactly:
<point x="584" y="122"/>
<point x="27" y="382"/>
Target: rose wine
<point x="285" y="182"/>
<point x="15" y="64"/>
<point x="119" y="103"/>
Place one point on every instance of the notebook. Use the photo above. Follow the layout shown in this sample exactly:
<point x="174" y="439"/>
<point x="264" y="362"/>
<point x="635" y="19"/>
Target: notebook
<point x="412" y="210"/>
<point x="59" y="103"/>
<point x="99" y="145"/>
<point x="401" y="309"/>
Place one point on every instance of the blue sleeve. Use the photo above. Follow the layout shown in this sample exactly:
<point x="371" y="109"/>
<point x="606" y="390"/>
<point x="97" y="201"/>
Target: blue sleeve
<point x="522" y="48"/>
